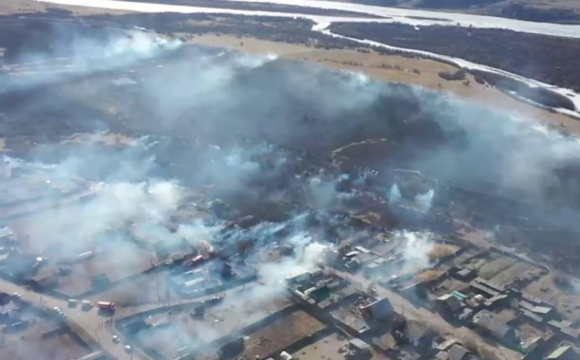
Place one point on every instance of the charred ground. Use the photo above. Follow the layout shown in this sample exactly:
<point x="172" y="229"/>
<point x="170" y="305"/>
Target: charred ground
<point x="414" y="122"/>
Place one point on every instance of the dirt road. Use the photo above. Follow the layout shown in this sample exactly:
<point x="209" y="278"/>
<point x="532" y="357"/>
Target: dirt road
<point x="89" y="326"/>
<point x="434" y="320"/>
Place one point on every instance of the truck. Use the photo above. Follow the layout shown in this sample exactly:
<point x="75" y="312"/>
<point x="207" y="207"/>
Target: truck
<point x="106" y="305"/>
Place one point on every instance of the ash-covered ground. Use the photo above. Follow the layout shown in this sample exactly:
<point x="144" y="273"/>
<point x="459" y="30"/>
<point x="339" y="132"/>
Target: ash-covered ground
<point x="241" y="157"/>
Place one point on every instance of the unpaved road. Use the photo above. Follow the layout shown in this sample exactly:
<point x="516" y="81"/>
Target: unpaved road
<point x="434" y="320"/>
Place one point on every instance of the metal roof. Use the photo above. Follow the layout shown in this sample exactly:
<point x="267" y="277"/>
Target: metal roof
<point x="559" y="352"/>
<point x="541" y="309"/>
<point x="359" y="344"/>
<point x="457" y="352"/>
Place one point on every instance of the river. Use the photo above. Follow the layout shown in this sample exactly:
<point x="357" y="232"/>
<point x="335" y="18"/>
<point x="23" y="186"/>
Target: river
<point x="413" y="17"/>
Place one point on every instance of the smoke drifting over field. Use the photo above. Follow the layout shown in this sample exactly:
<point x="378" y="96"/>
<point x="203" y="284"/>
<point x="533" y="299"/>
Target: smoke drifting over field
<point x="257" y="125"/>
<point x="255" y="136"/>
<point x="72" y="53"/>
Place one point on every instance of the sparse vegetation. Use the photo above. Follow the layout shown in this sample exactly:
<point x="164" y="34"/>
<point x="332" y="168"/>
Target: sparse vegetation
<point x="529" y="55"/>
<point x="456" y="76"/>
<point x="501" y="49"/>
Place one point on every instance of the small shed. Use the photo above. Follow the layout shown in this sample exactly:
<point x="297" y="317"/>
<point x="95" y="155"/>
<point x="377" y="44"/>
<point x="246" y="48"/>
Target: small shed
<point x="359" y="345"/>
<point x="379" y="310"/>
<point x="458" y="352"/>
<point x="448" y="304"/>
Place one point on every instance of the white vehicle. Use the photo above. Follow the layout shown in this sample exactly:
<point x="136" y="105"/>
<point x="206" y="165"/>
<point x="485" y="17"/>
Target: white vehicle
<point x="128" y="348"/>
<point x="57" y="310"/>
<point x="72" y="302"/>
<point x="16" y="295"/>
<point x="116" y="339"/>
<point x="87" y="304"/>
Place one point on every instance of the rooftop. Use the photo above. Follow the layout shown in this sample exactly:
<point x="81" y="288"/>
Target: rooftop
<point x="379" y="310"/>
<point x="417" y="331"/>
<point x="488" y="321"/>
<point x="562" y="352"/>
<point x="359" y="344"/>
<point x="457" y="352"/>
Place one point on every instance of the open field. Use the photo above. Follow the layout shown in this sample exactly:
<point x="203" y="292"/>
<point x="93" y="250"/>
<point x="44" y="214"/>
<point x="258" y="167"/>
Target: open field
<point x="565" y="299"/>
<point x="31" y="6"/>
<point x="330" y="347"/>
<point x="174" y="330"/>
<point x="277" y="337"/>
<point x="395" y="69"/>
<point x="325" y="348"/>
<point x="390" y="68"/>
<point x="285" y="333"/>
<point x="519" y="53"/>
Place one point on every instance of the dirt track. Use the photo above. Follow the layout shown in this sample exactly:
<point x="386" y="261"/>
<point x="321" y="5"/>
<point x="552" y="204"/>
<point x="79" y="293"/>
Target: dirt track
<point x="463" y="334"/>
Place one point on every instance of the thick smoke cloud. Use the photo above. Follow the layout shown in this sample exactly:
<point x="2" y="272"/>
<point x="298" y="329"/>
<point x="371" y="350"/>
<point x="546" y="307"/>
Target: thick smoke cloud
<point x="416" y="249"/>
<point x="250" y="120"/>
<point x="70" y="51"/>
<point x="254" y="136"/>
<point x="305" y="106"/>
<point x="119" y="197"/>
<point x="217" y="96"/>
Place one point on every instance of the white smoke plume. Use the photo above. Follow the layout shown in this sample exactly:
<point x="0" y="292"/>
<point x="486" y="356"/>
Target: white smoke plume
<point x="74" y="55"/>
<point x="324" y="194"/>
<point x="424" y="201"/>
<point x="416" y="249"/>
<point x="394" y="194"/>
<point x="114" y="207"/>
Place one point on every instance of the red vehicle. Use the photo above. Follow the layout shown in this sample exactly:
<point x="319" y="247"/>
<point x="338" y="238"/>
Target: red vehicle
<point x="106" y="305"/>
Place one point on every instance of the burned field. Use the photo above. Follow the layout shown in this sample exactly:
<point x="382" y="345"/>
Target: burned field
<point x="187" y="202"/>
